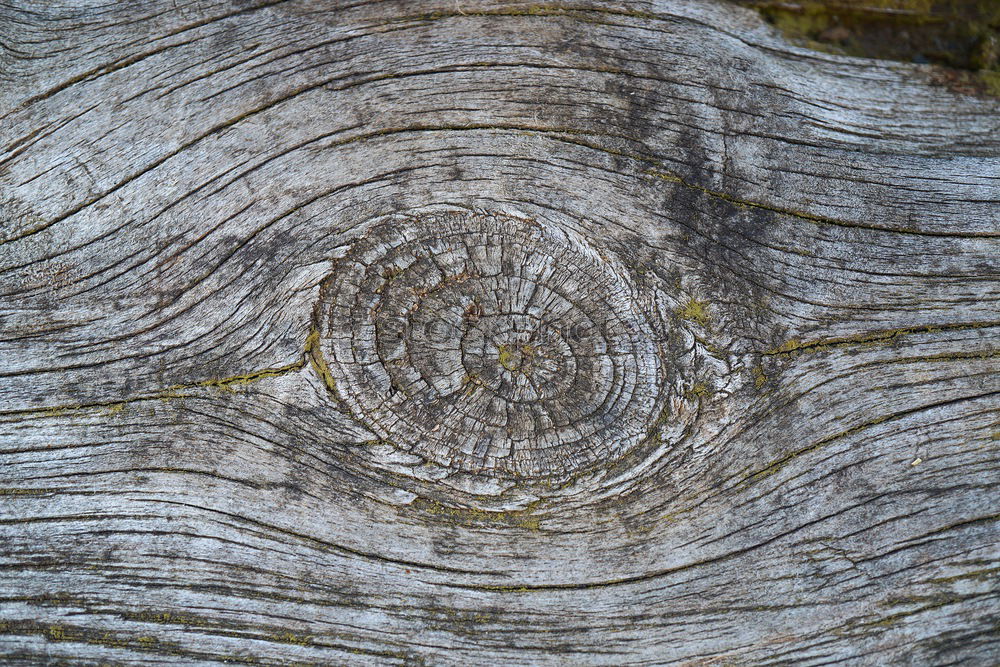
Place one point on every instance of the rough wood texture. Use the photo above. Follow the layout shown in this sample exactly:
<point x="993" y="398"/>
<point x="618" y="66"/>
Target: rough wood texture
<point x="737" y="357"/>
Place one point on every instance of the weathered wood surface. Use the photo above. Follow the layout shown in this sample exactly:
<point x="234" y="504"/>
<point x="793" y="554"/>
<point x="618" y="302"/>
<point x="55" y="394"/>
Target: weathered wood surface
<point x="805" y="249"/>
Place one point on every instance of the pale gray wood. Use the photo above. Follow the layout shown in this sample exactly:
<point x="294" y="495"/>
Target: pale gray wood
<point x="812" y="240"/>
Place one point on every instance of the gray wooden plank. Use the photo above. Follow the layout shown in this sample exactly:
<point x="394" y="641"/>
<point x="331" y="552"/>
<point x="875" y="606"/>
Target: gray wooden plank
<point x="191" y="473"/>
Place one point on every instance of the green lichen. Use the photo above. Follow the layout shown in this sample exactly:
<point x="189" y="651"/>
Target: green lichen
<point x="698" y="391"/>
<point x="823" y="344"/>
<point x="317" y="362"/>
<point x="984" y="574"/>
<point x="114" y="409"/>
<point x="695" y="311"/>
<point x="291" y="638"/>
<point x="25" y="492"/>
<point x="472" y="516"/>
<point x="231" y="383"/>
<point x="506" y="357"/>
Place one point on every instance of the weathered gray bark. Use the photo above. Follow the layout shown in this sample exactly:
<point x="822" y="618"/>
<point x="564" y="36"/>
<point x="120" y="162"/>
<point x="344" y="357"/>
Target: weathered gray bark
<point x="736" y="359"/>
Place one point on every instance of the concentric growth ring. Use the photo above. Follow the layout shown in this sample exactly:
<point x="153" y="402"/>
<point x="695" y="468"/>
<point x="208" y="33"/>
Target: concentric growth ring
<point x="488" y="344"/>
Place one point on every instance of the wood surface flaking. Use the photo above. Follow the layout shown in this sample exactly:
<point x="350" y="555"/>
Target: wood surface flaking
<point x="812" y="241"/>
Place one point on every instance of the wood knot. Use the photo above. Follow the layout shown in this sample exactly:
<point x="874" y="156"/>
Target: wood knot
<point x="490" y="344"/>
